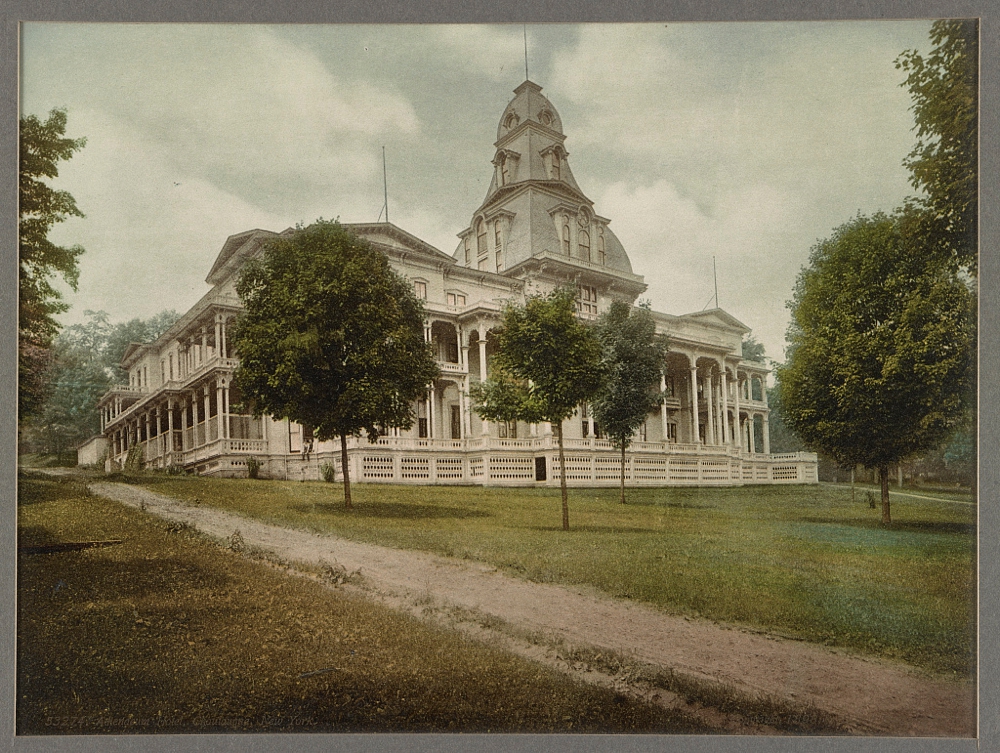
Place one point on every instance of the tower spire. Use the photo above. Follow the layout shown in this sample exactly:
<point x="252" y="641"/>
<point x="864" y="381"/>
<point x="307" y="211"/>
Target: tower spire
<point x="525" y="28"/>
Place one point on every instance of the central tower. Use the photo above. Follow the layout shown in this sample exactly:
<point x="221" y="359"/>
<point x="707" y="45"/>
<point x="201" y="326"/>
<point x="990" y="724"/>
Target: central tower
<point x="535" y="221"/>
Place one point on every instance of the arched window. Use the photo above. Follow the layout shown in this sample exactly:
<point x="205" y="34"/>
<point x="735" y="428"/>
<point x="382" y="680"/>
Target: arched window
<point x="601" y="253"/>
<point x="498" y="246"/>
<point x="584" y="245"/>
<point x="565" y="234"/>
<point x="554" y="165"/>
<point x="481" y="238"/>
<point x="504" y="170"/>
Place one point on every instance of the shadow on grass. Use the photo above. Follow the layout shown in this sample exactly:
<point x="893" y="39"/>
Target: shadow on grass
<point x="900" y="526"/>
<point x="388" y="510"/>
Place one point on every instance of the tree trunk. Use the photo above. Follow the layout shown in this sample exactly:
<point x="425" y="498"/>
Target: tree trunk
<point x="623" y="474"/>
<point x="345" y="468"/>
<point x="883" y="477"/>
<point x="562" y="476"/>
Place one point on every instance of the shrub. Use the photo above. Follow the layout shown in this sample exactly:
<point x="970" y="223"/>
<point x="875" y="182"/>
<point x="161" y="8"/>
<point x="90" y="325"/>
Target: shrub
<point x="329" y="472"/>
<point x="134" y="460"/>
<point x="253" y="467"/>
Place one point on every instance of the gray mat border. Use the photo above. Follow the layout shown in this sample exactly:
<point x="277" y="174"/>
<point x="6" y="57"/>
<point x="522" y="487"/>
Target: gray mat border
<point x="12" y="12"/>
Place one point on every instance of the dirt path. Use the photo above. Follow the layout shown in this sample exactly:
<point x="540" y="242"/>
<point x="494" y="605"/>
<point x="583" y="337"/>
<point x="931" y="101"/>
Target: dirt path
<point x="868" y="696"/>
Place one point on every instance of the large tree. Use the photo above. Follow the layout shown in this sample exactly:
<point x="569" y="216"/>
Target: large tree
<point x="547" y="363"/>
<point x="879" y="363"/>
<point x="943" y="165"/>
<point x="632" y="359"/>
<point x="42" y="145"/>
<point x="331" y="337"/>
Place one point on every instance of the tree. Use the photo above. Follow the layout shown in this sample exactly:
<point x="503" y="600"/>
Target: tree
<point x="331" y="337"/>
<point x="547" y="363"/>
<point x="751" y="349"/>
<point x="944" y="163"/>
<point x="632" y="360"/>
<point x="879" y="363"/>
<point x="42" y="146"/>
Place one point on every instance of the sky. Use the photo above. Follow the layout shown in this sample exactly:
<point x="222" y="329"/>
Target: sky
<point x="745" y="143"/>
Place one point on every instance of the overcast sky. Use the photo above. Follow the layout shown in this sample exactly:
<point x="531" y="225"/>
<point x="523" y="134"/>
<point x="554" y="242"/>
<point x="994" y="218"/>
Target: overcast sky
<point x="746" y="141"/>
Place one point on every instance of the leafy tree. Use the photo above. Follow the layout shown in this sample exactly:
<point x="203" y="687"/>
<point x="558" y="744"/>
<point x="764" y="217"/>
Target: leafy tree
<point x="547" y="363"/>
<point x="42" y="146"/>
<point x="331" y="337"/>
<point x="752" y="350"/>
<point x="878" y="365"/>
<point x="782" y="438"/>
<point x="631" y="362"/>
<point x="944" y="163"/>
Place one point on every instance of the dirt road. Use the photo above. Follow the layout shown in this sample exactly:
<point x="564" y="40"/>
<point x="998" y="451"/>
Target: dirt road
<point x="868" y="696"/>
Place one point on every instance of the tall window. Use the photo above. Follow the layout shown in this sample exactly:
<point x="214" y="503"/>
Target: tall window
<point x="554" y="166"/>
<point x="468" y="251"/>
<point x="586" y="301"/>
<point x="455" y="299"/>
<point x="481" y="238"/>
<point x="565" y="234"/>
<point x="584" y="244"/>
<point x="420" y="288"/>
<point x="504" y="170"/>
<point x="601" y="253"/>
<point x="498" y="244"/>
<point x="170" y="359"/>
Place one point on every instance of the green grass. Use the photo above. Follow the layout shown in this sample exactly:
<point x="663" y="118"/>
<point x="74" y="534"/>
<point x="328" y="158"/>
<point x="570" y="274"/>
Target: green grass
<point x="167" y="632"/>
<point x="798" y="561"/>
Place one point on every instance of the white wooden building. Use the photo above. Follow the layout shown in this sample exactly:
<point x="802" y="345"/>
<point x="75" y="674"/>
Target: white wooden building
<point x="534" y="231"/>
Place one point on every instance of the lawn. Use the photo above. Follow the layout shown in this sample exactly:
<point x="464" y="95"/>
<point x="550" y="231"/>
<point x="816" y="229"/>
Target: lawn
<point x="167" y="632"/>
<point x="801" y="561"/>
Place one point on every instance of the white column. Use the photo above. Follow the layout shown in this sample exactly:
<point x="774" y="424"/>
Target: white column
<point x="736" y="410"/>
<point x="184" y="422"/>
<point x="767" y="437"/>
<point x="709" y="415"/>
<point x="207" y="409"/>
<point x="482" y="373"/>
<point x="203" y="350"/>
<point x="752" y="425"/>
<point x="218" y="336"/>
<point x="663" y="407"/>
<point x="430" y="414"/>
<point x="219" y="413"/>
<point x="726" y="435"/>
<point x="695" y="434"/>
<point x="225" y="344"/>
<point x="170" y="426"/>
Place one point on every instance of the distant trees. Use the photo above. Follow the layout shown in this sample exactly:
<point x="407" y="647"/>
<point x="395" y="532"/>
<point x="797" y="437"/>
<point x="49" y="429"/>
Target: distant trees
<point x="751" y="349"/>
<point x="42" y="145"/>
<point x="880" y="347"/>
<point x="632" y="359"/>
<point x="547" y="363"/>
<point x="331" y="337"/>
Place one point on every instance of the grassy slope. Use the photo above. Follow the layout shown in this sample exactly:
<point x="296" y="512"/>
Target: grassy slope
<point x="802" y="561"/>
<point x="167" y="632"/>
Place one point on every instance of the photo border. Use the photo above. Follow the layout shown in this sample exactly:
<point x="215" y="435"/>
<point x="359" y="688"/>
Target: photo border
<point x="457" y="11"/>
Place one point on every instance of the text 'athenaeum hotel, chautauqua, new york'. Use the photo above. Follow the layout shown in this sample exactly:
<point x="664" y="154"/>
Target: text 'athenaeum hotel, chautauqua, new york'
<point x="535" y="230"/>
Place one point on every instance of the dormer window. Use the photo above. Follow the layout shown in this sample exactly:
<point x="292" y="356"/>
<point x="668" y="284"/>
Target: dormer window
<point x="565" y="234"/>
<point x="481" y="239"/>
<point x="584" y="245"/>
<point x="504" y="170"/>
<point x="601" y="252"/>
<point x="511" y="121"/>
<point x="545" y="118"/>
<point x="554" y="164"/>
<point x="468" y="251"/>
